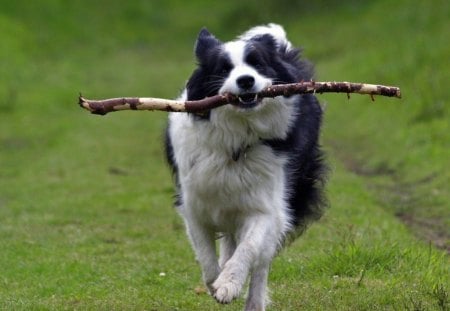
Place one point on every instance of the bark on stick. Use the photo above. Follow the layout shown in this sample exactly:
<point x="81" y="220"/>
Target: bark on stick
<point x="104" y="106"/>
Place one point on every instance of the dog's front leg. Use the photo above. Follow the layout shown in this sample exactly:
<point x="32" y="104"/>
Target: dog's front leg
<point x="256" y="247"/>
<point x="203" y="242"/>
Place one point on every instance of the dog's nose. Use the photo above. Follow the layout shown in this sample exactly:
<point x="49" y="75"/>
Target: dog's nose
<point x="245" y="82"/>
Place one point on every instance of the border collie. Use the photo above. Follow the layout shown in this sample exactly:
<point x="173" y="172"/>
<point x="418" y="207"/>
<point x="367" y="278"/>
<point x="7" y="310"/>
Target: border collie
<point x="248" y="174"/>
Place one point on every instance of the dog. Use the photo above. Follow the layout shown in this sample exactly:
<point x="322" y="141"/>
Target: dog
<point x="249" y="174"/>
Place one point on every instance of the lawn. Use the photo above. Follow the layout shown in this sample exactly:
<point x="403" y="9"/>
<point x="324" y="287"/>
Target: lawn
<point x="86" y="217"/>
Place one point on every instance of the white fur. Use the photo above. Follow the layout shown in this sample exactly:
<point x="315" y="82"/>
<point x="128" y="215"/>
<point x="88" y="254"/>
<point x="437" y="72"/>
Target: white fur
<point x="243" y="199"/>
<point x="275" y="30"/>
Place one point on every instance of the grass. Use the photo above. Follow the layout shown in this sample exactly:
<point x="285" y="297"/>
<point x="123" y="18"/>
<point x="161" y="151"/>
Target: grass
<point x="85" y="202"/>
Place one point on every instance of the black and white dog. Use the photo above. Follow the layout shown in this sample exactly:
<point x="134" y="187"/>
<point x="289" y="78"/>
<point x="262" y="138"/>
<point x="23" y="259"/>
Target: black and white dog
<point x="249" y="174"/>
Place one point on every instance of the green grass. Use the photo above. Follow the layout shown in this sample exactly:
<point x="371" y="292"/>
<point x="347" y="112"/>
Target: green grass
<point x="85" y="202"/>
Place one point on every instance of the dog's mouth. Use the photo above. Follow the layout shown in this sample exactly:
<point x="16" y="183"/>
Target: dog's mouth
<point x="247" y="100"/>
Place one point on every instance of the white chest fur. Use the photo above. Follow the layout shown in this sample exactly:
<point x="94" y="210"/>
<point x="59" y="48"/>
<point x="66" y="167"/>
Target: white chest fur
<point x="214" y="185"/>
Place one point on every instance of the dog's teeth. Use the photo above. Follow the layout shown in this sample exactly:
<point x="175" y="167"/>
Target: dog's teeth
<point x="247" y="100"/>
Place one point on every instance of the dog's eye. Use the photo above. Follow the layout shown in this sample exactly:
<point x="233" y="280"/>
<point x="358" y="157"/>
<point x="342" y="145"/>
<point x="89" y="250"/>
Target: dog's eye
<point x="258" y="65"/>
<point x="254" y="61"/>
<point x="225" y="68"/>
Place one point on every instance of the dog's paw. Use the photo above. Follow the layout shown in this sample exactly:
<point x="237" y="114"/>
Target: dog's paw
<point x="224" y="291"/>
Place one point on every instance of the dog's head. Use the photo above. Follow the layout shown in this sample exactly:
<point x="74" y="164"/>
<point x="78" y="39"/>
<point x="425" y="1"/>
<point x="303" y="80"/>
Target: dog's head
<point x="243" y="67"/>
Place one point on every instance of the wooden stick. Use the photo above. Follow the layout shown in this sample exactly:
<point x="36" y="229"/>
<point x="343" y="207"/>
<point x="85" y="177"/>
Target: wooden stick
<point x="104" y="106"/>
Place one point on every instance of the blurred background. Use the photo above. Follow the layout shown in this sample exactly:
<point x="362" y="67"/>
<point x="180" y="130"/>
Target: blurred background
<point x="69" y="179"/>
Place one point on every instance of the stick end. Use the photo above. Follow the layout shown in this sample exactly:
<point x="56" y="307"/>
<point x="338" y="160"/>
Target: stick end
<point x="83" y="103"/>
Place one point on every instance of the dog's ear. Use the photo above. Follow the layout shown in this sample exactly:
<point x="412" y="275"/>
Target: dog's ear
<point x="205" y="42"/>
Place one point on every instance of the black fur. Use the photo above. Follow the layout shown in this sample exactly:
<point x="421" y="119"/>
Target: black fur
<point x="307" y="170"/>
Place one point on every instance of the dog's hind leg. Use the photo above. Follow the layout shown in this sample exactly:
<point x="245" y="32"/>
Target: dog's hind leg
<point x="257" y="295"/>
<point x="203" y="242"/>
<point x="227" y="248"/>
